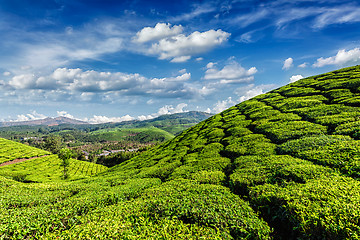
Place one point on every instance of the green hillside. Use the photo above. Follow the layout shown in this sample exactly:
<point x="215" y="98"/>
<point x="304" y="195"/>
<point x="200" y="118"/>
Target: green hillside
<point x="49" y="168"/>
<point x="39" y="165"/>
<point x="10" y="150"/>
<point x="283" y="165"/>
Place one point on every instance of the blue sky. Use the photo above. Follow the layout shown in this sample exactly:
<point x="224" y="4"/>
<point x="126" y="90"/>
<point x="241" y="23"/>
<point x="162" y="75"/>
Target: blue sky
<point x="106" y="60"/>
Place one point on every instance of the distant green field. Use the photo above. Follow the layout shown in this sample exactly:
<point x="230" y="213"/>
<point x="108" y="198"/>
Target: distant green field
<point x="10" y="150"/>
<point x="45" y="169"/>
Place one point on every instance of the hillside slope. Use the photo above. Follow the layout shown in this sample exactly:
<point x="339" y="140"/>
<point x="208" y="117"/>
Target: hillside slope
<point x="28" y="164"/>
<point x="283" y="165"/>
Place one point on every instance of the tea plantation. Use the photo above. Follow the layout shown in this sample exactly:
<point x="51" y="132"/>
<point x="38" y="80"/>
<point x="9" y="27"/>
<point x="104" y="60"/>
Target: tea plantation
<point x="283" y="165"/>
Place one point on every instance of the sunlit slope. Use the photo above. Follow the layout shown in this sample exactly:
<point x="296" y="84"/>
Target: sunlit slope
<point x="37" y="165"/>
<point x="292" y="154"/>
<point x="10" y="150"/>
<point x="283" y="165"/>
<point x="48" y="168"/>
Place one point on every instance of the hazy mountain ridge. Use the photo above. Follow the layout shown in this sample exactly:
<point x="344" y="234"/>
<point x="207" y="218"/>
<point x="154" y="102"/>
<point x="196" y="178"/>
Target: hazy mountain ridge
<point x="49" y="121"/>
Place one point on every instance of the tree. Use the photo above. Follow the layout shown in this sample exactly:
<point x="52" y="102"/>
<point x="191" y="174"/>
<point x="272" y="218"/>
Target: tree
<point x="53" y="144"/>
<point x="65" y="154"/>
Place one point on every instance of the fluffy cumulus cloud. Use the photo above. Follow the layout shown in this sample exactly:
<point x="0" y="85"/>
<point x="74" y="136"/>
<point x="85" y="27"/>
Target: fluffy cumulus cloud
<point x="174" y="45"/>
<point x="223" y="105"/>
<point x="28" y="117"/>
<point x="104" y="119"/>
<point x="167" y="109"/>
<point x="288" y="63"/>
<point x="64" y="114"/>
<point x="230" y="73"/>
<point x="88" y="85"/>
<point x="161" y="30"/>
<point x="343" y="57"/>
<point x="295" y="78"/>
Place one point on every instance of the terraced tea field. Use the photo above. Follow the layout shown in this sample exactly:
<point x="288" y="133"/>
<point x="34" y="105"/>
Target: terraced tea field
<point x="10" y="150"/>
<point x="283" y="165"/>
<point x="49" y="168"/>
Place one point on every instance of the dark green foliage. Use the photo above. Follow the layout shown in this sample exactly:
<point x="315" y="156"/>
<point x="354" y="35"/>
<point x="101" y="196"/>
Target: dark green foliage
<point x="252" y="144"/>
<point x="52" y="144"/>
<point x="290" y="91"/>
<point x="65" y="154"/>
<point x="339" y="152"/>
<point x="351" y="128"/>
<point x="207" y="205"/>
<point x="283" y="131"/>
<point x="323" y="208"/>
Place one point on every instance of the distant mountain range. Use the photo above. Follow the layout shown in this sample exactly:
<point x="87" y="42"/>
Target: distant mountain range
<point x="44" y="122"/>
<point x="191" y="117"/>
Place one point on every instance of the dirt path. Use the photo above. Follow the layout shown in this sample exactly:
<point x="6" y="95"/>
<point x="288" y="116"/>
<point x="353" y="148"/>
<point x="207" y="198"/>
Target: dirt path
<point x="19" y="160"/>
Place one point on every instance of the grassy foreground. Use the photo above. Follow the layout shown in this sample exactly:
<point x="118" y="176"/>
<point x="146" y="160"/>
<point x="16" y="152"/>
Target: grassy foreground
<point x="283" y="165"/>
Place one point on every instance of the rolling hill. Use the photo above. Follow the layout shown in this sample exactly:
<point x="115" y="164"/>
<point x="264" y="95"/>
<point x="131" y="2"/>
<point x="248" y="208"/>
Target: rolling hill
<point x="282" y="165"/>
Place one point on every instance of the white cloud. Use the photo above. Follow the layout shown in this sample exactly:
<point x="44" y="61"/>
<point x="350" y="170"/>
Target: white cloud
<point x="89" y="85"/>
<point x="165" y="110"/>
<point x="182" y="71"/>
<point x="341" y="58"/>
<point x="288" y="63"/>
<point x="104" y="119"/>
<point x="251" y="91"/>
<point x="295" y="78"/>
<point x="28" y="117"/>
<point x="186" y="46"/>
<point x="161" y="30"/>
<point x="210" y="65"/>
<point x="180" y="59"/>
<point x="150" y="101"/>
<point x="222" y="105"/>
<point x="145" y="117"/>
<point x="197" y="11"/>
<point x="169" y="109"/>
<point x="23" y="81"/>
<point x="303" y="65"/>
<point x="6" y="74"/>
<point x="339" y="15"/>
<point x="246" y="37"/>
<point x="250" y="18"/>
<point x="231" y="73"/>
<point x="199" y="59"/>
<point x="64" y="114"/>
<point x="52" y="49"/>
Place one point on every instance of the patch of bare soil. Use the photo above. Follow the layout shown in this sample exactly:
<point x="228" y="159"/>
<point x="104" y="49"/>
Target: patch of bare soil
<point x="19" y="160"/>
